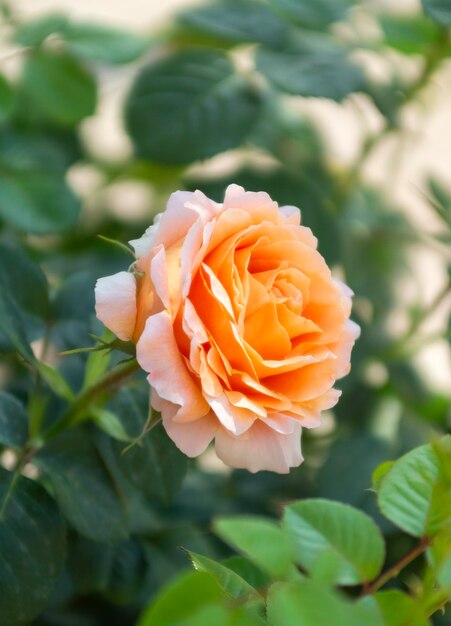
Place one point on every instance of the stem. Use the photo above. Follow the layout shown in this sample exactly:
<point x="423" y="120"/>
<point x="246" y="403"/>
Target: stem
<point x="398" y="567"/>
<point x="81" y="404"/>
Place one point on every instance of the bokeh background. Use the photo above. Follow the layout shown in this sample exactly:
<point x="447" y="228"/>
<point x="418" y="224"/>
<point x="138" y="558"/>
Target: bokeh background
<point x="365" y="153"/>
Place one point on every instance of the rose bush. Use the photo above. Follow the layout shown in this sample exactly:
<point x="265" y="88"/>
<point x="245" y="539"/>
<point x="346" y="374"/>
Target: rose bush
<point x="239" y="323"/>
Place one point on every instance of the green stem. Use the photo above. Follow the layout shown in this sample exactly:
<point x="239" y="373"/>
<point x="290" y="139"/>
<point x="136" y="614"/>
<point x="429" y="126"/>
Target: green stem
<point x="398" y="567"/>
<point x="78" y="409"/>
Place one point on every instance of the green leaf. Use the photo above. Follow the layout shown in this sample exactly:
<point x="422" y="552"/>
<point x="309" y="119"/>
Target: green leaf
<point x="13" y="422"/>
<point x="231" y="583"/>
<point x="32" y="548"/>
<point x="399" y="609"/>
<point x="154" y="465"/>
<point x="315" y="15"/>
<point x="380" y="472"/>
<point x="318" y="71"/>
<point x="59" y="86"/>
<point x="247" y="570"/>
<point x="6" y="99"/>
<point x="261" y="540"/>
<point x="318" y="526"/>
<point x="110" y="424"/>
<point x="37" y="201"/>
<point x="55" y="380"/>
<point x="190" y="106"/>
<point x="236" y="21"/>
<point x="35" y="32"/>
<point x="312" y="604"/>
<point x="181" y="599"/>
<point x="413" y="495"/>
<point x="438" y="10"/>
<point x="12" y="325"/>
<point x="83" y="487"/>
<point x="96" y="365"/>
<point x="102" y="43"/>
<point x="23" y="279"/>
<point x="409" y="34"/>
<point x="220" y="616"/>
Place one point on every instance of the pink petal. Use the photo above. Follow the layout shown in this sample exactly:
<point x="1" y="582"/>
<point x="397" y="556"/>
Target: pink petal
<point x="236" y="419"/>
<point x="116" y="303"/>
<point x="191" y="438"/>
<point x="260" y="448"/>
<point x="291" y="213"/>
<point x="158" y="353"/>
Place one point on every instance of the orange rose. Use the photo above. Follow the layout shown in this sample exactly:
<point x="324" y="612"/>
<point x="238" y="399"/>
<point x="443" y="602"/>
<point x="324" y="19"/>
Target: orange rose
<point x="239" y="323"/>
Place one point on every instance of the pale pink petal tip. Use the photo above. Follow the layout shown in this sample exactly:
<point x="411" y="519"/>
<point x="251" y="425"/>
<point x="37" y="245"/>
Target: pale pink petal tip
<point x="115" y="306"/>
<point x="260" y="448"/>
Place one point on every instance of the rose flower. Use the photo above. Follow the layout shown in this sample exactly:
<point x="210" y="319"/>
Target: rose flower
<point x="238" y="322"/>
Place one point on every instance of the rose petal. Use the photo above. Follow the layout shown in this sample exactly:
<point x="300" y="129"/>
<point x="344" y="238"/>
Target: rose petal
<point x="116" y="303"/>
<point x="158" y="353"/>
<point x="260" y="448"/>
<point x="234" y="418"/>
<point x="191" y="438"/>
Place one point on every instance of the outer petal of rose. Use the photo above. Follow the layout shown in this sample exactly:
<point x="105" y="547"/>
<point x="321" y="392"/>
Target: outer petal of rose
<point x="116" y="303"/>
<point x="191" y="438"/>
<point x="184" y="208"/>
<point x="343" y="347"/>
<point x="157" y="353"/>
<point x="260" y="448"/>
<point x="235" y="419"/>
<point x="291" y="213"/>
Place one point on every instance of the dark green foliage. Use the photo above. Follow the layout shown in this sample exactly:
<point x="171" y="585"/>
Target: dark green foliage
<point x="32" y="546"/>
<point x="189" y="106"/>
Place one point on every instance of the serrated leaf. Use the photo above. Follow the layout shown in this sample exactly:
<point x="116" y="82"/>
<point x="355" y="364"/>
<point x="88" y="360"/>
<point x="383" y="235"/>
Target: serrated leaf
<point x="380" y="472"/>
<point x="399" y="609"/>
<point x="231" y="583"/>
<point x="236" y="21"/>
<point x="312" y="604"/>
<point x="317" y="526"/>
<point x="318" y="71"/>
<point x="413" y="495"/>
<point x="438" y="10"/>
<point x="13" y="422"/>
<point x="102" y="43"/>
<point x="189" y="106"/>
<point x="32" y="547"/>
<point x="83" y="487"/>
<point x="181" y="599"/>
<point x="59" y="86"/>
<point x="261" y="540"/>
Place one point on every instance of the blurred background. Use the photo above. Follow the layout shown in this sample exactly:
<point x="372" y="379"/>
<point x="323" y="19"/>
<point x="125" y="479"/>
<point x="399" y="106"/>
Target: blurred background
<point x="338" y="107"/>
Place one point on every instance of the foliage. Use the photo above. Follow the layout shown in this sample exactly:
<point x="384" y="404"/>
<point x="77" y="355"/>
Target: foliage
<point x="95" y="500"/>
<point x="335" y="545"/>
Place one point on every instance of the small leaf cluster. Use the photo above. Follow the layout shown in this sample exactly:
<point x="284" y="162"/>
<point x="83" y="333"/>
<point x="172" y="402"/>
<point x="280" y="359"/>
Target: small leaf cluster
<point x="322" y="563"/>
